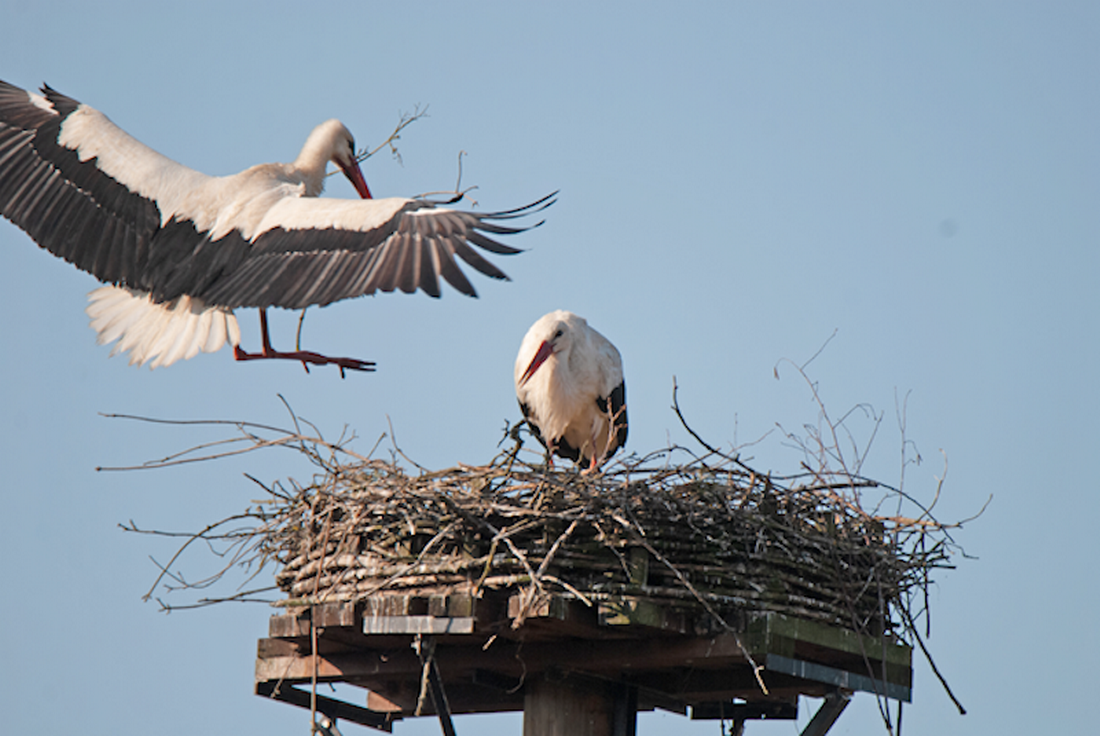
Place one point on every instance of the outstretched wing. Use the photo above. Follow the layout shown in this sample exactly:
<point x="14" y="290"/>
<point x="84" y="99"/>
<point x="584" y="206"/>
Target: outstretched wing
<point x="80" y="186"/>
<point x="317" y="251"/>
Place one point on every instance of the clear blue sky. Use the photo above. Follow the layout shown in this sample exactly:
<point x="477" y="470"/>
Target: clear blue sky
<point x="739" y="181"/>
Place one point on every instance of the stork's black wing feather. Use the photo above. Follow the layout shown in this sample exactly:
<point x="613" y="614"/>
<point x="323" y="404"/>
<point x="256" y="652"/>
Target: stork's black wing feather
<point x="69" y="207"/>
<point x="616" y="405"/>
<point x="420" y="243"/>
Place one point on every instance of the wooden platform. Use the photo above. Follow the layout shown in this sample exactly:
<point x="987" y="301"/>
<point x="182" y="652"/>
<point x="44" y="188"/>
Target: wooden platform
<point x="675" y="659"/>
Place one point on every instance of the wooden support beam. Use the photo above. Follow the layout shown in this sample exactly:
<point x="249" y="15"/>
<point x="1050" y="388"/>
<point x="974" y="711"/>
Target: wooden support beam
<point x="334" y="709"/>
<point x="830" y="710"/>
<point x="563" y="706"/>
<point x="624" y="716"/>
<point x="425" y="650"/>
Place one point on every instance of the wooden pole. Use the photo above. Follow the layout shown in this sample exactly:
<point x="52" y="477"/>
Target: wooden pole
<point x="574" y="707"/>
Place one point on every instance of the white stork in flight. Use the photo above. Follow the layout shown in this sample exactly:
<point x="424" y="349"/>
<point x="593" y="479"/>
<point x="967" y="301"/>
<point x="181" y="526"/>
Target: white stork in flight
<point x="180" y="250"/>
<point x="569" y="382"/>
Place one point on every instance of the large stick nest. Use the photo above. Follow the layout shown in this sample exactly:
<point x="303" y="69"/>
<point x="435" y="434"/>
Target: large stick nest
<point x="704" y="533"/>
<point x="707" y="534"/>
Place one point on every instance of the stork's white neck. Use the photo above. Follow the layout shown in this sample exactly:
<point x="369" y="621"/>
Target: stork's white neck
<point x="318" y="150"/>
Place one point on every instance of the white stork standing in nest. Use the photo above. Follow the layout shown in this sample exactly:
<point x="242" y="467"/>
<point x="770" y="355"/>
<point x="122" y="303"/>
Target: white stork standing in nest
<point x="181" y="250"/>
<point x="569" y="382"/>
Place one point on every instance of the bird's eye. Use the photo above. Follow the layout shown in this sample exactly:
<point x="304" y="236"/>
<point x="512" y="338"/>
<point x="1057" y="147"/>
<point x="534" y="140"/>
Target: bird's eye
<point x="558" y="334"/>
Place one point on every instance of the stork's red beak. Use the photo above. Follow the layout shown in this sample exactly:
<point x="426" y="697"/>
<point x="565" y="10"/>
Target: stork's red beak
<point x="355" y="176"/>
<point x="545" y="351"/>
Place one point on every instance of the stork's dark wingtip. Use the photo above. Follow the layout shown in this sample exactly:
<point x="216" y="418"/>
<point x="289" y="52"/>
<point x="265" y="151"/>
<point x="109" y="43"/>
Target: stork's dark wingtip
<point x="528" y="209"/>
<point x="542" y="204"/>
<point x="548" y="200"/>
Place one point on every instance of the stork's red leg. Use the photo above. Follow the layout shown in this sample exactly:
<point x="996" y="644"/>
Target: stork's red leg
<point x="306" y="357"/>
<point x="265" y="336"/>
<point x="594" y="463"/>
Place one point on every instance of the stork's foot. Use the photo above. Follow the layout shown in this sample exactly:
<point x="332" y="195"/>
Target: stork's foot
<point x="307" y="358"/>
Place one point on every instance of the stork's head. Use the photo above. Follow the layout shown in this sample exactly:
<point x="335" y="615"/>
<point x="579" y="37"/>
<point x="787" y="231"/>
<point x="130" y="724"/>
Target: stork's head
<point x="331" y="141"/>
<point x="552" y="335"/>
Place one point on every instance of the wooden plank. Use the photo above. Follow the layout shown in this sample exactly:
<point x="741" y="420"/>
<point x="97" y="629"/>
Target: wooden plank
<point x="697" y="686"/>
<point x="837" y="677"/>
<point x="417" y="625"/>
<point x="554" y="616"/>
<point x="833" y="648"/>
<point x="461" y="606"/>
<point x="549" y="606"/>
<point x="852" y="662"/>
<point x="335" y="614"/>
<point x="286" y="626"/>
<point x="299" y="669"/>
<point x="513" y="658"/>
<point x="325" y="615"/>
<point x="276" y="647"/>
<point x="464" y="697"/>
<point x="774" y="625"/>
